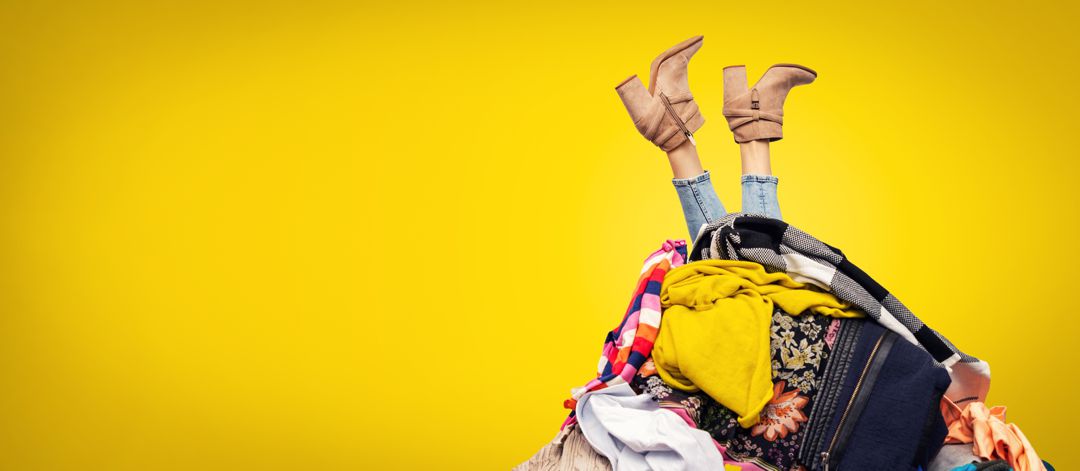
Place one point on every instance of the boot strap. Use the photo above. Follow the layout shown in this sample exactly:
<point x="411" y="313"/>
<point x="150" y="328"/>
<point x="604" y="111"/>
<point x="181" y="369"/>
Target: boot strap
<point x="742" y="117"/>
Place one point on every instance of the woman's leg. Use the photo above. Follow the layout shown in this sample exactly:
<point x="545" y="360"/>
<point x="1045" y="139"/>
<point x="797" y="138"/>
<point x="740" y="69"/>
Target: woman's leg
<point x="758" y="182"/>
<point x="700" y="204"/>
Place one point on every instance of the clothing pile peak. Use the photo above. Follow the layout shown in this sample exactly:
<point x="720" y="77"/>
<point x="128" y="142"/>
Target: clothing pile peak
<point x="763" y="348"/>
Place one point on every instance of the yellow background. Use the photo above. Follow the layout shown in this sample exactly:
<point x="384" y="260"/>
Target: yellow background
<point x="330" y="235"/>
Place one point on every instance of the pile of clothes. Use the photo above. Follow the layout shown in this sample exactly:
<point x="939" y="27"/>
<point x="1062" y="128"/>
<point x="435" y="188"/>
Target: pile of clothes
<point x="763" y="348"/>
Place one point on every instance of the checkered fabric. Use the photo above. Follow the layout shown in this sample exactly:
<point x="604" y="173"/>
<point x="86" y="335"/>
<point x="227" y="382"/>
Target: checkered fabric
<point x="782" y="247"/>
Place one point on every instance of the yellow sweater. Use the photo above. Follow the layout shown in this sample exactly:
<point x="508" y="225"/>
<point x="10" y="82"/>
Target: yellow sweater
<point x="714" y="336"/>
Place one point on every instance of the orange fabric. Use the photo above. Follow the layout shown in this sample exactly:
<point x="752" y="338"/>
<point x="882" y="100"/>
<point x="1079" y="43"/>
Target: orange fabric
<point x="991" y="437"/>
<point x="648" y="369"/>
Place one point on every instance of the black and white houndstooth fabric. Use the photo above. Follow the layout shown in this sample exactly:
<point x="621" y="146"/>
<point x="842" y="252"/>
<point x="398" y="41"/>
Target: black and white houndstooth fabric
<point x="781" y="247"/>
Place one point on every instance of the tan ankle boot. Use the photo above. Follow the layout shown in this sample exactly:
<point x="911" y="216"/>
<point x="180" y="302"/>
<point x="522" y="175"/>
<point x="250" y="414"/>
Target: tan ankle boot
<point x="665" y="113"/>
<point x="758" y="113"/>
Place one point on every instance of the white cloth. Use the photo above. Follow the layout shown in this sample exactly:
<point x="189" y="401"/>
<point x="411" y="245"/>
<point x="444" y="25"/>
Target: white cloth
<point x="636" y="434"/>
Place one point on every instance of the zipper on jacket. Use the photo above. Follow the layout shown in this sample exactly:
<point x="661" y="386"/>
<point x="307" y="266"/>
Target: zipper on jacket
<point x="862" y="386"/>
<point x="678" y="121"/>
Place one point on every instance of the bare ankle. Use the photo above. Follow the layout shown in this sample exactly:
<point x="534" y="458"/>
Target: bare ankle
<point x="755" y="157"/>
<point x="684" y="161"/>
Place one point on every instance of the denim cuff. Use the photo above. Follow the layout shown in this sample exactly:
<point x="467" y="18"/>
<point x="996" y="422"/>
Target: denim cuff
<point x="759" y="179"/>
<point x="689" y="181"/>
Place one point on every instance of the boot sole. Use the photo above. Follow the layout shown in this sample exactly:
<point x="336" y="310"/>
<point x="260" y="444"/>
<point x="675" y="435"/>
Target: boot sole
<point x="797" y="66"/>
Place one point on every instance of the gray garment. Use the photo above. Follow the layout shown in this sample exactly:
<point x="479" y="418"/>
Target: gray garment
<point x="996" y="465"/>
<point x="569" y="451"/>
<point x="953" y="456"/>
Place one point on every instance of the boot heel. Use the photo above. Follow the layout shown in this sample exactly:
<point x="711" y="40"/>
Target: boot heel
<point x="735" y="83"/>
<point x="636" y="100"/>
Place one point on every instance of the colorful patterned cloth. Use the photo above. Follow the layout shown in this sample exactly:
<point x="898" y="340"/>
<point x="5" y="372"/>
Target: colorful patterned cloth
<point x="628" y="346"/>
<point x="800" y="350"/>
<point x="715" y="332"/>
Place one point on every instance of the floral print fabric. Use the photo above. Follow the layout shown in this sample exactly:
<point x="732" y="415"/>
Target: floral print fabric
<point x="800" y="346"/>
<point x="782" y="415"/>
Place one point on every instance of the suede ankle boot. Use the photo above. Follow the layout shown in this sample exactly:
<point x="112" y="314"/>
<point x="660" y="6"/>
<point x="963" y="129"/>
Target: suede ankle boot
<point x="665" y="113"/>
<point x="758" y="113"/>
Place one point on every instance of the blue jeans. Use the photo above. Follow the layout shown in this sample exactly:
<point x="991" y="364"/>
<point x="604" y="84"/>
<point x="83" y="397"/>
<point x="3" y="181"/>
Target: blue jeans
<point x="701" y="206"/>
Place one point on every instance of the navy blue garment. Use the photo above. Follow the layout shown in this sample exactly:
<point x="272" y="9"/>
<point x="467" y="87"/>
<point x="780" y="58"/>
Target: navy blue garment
<point x="894" y="422"/>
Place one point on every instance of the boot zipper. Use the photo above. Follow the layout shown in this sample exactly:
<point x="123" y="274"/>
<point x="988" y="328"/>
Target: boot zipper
<point x="868" y="370"/>
<point x="678" y="121"/>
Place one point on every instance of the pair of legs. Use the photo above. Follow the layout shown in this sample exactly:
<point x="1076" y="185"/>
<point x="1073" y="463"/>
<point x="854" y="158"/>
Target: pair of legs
<point x="700" y="204"/>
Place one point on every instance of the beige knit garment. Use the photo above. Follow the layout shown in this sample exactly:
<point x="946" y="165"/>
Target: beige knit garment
<point x="569" y="451"/>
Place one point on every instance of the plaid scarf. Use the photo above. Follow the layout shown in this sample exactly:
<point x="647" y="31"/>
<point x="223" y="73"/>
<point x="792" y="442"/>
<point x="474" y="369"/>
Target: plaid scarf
<point x="781" y="247"/>
<point x="628" y="345"/>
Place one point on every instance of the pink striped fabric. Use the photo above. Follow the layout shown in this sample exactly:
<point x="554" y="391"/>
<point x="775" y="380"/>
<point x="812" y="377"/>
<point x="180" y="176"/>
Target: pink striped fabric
<point x="631" y="342"/>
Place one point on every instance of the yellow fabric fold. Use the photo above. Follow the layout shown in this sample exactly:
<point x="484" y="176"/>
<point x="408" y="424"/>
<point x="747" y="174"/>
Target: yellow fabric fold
<point x="714" y="336"/>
